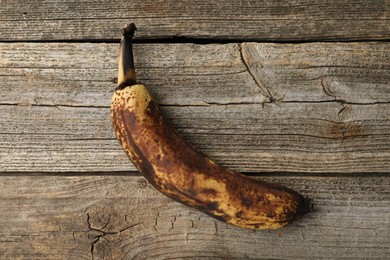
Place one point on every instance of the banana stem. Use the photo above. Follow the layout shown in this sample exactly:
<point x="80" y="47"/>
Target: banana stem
<point x="126" y="69"/>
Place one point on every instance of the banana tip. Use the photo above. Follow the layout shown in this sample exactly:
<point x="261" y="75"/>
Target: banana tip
<point x="307" y="205"/>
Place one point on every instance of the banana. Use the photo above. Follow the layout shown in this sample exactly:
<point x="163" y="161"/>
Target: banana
<point x="184" y="174"/>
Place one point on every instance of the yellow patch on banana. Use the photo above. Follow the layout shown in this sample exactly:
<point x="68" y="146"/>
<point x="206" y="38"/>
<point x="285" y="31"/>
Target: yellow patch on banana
<point x="184" y="174"/>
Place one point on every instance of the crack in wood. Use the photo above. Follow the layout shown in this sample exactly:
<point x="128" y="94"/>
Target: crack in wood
<point x="272" y="99"/>
<point x="207" y="104"/>
<point x="246" y="64"/>
<point x="325" y="88"/>
<point x="216" y="227"/>
<point x="98" y="233"/>
<point x="173" y="222"/>
<point x="156" y="222"/>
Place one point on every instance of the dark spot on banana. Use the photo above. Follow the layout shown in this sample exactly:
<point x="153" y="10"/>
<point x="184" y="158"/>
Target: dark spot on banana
<point x="209" y="192"/>
<point x="270" y="215"/>
<point x="212" y="206"/>
<point x="247" y="202"/>
<point x="224" y="218"/>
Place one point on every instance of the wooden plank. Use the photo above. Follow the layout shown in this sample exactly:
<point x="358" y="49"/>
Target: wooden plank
<point x="189" y="74"/>
<point x="55" y="98"/>
<point x="123" y="217"/>
<point x="83" y="74"/>
<point x="294" y="137"/>
<point x="350" y="73"/>
<point x="265" y="20"/>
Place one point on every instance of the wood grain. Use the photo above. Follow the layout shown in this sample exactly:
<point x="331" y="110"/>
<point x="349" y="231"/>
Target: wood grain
<point x="265" y="20"/>
<point x="350" y="73"/>
<point x="122" y="217"/>
<point x="248" y="138"/>
<point x="315" y="107"/>
<point x="315" y="116"/>
<point x="189" y="74"/>
<point x="84" y="74"/>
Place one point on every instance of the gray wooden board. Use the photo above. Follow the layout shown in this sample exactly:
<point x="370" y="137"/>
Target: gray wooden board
<point x="115" y="217"/>
<point x="82" y="74"/>
<point x="67" y="190"/>
<point x="315" y="107"/>
<point x="296" y="20"/>
<point x="293" y="137"/>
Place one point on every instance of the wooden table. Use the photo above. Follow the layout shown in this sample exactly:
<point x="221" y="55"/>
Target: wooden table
<point x="293" y="92"/>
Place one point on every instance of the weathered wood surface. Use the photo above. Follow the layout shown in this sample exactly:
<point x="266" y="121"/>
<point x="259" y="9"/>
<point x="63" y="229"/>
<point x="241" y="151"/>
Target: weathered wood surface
<point x="318" y="113"/>
<point x="122" y="217"/>
<point x="265" y="20"/>
<point x="316" y="107"/>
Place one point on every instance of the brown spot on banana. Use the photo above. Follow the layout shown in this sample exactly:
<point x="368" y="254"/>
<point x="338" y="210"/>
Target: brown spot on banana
<point x="186" y="175"/>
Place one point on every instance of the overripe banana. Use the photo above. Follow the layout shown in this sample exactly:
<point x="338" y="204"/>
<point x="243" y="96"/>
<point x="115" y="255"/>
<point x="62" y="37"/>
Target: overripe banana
<point x="184" y="174"/>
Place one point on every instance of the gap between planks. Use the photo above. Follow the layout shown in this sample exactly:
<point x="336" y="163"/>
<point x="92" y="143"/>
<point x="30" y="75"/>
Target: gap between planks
<point x="251" y="174"/>
<point x="197" y="41"/>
